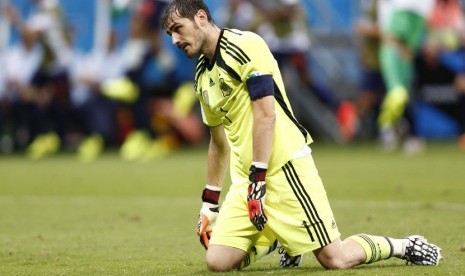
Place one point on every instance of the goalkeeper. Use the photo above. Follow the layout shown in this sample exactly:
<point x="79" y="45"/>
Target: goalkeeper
<point x="276" y="198"/>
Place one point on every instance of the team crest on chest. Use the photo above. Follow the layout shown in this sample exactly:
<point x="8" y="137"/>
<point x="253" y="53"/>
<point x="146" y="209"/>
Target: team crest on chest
<point x="225" y="89"/>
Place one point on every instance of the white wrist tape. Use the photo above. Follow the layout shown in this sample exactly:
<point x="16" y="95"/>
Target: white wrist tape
<point x="213" y="188"/>
<point x="260" y="165"/>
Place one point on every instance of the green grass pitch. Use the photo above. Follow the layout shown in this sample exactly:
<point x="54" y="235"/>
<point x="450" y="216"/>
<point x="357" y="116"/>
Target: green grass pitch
<point x="61" y="217"/>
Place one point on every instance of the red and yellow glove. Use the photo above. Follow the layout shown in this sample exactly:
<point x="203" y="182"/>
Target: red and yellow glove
<point x="256" y="197"/>
<point x="208" y="213"/>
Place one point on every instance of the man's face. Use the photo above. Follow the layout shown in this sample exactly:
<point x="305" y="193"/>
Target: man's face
<point x="186" y="35"/>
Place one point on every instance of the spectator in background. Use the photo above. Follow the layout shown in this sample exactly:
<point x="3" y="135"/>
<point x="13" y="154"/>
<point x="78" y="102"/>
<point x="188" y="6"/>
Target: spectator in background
<point x="47" y="101"/>
<point x="95" y="114"/>
<point x="30" y="102"/>
<point x="239" y="14"/>
<point x="173" y="98"/>
<point x="285" y="28"/>
<point x="6" y="125"/>
<point x="403" y="25"/>
<point x="21" y="62"/>
<point x="144" y="68"/>
<point x="442" y="60"/>
<point x="371" y="84"/>
<point x="4" y="135"/>
<point x="160" y="102"/>
<point x="49" y="20"/>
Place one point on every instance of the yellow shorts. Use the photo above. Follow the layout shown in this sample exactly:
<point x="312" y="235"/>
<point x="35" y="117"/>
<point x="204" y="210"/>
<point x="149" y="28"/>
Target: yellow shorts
<point x="297" y="208"/>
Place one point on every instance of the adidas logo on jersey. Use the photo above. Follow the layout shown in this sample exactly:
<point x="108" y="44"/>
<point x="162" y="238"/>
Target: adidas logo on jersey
<point x="211" y="82"/>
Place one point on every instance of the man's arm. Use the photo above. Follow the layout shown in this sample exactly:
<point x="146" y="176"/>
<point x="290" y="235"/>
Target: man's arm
<point x="263" y="128"/>
<point x="263" y="132"/>
<point x="218" y="156"/>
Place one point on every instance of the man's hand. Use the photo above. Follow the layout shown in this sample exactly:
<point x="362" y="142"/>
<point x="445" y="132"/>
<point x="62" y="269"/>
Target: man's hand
<point x="208" y="214"/>
<point x="256" y="197"/>
<point x="207" y="219"/>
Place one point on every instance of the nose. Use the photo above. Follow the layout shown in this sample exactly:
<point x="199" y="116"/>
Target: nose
<point x="175" y="39"/>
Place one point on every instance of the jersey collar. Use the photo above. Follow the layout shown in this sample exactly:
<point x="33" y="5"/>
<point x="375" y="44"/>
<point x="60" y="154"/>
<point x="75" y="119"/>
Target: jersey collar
<point x="217" y="51"/>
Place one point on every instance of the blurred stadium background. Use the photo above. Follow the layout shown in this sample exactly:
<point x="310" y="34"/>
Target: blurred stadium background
<point x="331" y="21"/>
<point x="334" y="59"/>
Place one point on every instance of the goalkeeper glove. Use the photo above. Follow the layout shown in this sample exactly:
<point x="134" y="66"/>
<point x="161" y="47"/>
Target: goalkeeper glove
<point x="208" y="214"/>
<point x="256" y="197"/>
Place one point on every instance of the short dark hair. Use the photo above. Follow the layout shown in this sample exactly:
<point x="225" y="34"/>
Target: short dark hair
<point x="184" y="8"/>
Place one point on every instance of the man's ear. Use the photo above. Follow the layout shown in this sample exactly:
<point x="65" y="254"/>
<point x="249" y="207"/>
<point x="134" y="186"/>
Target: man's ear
<point x="202" y="17"/>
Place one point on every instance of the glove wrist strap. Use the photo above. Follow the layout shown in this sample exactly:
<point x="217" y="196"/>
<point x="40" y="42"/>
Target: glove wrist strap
<point x="211" y="194"/>
<point x="257" y="173"/>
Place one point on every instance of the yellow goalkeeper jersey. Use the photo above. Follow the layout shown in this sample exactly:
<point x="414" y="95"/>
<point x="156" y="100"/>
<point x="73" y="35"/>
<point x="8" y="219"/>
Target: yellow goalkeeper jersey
<point x="221" y="86"/>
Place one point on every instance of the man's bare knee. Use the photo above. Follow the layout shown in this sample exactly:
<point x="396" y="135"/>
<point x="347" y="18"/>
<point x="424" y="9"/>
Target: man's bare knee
<point x="340" y="255"/>
<point x="224" y="258"/>
<point x="218" y="263"/>
<point x="334" y="263"/>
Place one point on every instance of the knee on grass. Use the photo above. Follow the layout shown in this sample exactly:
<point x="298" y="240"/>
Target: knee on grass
<point x="218" y="263"/>
<point x="221" y="260"/>
<point x="335" y="263"/>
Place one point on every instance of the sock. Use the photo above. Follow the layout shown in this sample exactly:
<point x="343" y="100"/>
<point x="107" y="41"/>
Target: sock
<point x="398" y="247"/>
<point x="376" y="248"/>
<point x="256" y="252"/>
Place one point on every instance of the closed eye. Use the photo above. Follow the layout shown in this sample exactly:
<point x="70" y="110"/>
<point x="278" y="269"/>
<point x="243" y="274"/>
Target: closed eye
<point x="174" y="29"/>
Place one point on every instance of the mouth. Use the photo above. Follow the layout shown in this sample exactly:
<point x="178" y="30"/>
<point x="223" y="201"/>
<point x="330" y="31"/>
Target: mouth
<point x="183" y="47"/>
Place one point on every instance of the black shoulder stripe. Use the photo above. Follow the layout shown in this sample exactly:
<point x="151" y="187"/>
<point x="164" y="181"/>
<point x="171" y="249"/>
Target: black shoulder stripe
<point x="238" y="52"/>
<point x="279" y="98"/>
<point x="200" y="62"/>
<point x="201" y="66"/>
<point x="222" y="64"/>
<point x="197" y="75"/>
<point x="242" y="53"/>
<point x="231" y="52"/>
<point x="242" y="62"/>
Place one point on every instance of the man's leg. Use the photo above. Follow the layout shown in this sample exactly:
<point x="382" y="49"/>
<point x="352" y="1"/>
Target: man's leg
<point x="226" y="258"/>
<point x="364" y="249"/>
<point x="341" y="254"/>
<point x="235" y="243"/>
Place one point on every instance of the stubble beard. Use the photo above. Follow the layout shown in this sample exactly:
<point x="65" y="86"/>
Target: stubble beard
<point x="197" y="43"/>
